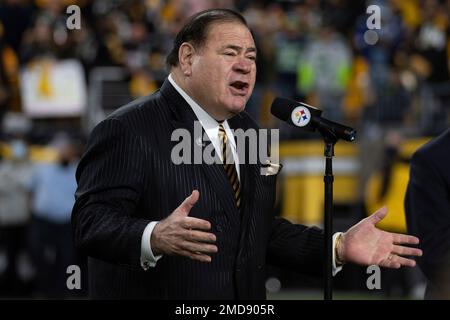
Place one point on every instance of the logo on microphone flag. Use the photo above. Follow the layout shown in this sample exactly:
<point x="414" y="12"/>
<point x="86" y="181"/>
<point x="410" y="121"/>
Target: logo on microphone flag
<point x="300" y="116"/>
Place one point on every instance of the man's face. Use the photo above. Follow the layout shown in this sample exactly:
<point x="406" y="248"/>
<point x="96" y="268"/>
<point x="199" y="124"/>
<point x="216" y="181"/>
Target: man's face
<point x="223" y="70"/>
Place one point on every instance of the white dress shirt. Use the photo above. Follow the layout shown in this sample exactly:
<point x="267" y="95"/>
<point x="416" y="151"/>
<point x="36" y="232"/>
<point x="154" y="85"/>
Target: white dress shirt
<point x="211" y="127"/>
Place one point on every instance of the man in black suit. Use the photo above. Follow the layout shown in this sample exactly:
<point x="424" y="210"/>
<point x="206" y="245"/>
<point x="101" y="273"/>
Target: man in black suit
<point x="154" y="228"/>
<point x="427" y="206"/>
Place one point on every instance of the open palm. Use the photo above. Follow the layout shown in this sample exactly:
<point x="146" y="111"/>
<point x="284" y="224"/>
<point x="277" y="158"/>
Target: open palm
<point x="365" y="244"/>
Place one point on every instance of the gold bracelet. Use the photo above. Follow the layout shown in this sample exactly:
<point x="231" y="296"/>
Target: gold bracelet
<point x="339" y="262"/>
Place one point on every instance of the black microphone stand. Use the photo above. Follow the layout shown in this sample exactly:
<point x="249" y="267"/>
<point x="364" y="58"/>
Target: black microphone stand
<point x="330" y="140"/>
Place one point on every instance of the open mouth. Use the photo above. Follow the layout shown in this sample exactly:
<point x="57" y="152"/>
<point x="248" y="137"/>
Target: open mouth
<point x="239" y="87"/>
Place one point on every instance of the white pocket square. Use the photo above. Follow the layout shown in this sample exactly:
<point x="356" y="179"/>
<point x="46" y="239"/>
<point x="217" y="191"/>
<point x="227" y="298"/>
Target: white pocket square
<point x="270" y="169"/>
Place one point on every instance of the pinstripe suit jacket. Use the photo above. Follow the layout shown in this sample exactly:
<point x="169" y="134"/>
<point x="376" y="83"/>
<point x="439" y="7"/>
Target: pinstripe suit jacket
<point x="126" y="179"/>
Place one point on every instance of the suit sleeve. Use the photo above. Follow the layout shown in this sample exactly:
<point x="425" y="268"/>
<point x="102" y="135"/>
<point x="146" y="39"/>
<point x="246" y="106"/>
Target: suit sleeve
<point x="111" y="179"/>
<point x="296" y="247"/>
<point x="428" y="215"/>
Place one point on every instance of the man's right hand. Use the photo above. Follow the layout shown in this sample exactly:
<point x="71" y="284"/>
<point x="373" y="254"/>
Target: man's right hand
<point x="182" y="235"/>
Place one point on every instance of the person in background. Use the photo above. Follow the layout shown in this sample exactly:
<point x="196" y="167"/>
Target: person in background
<point x="15" y="171"/>
<point x="52" y="186"/>
<point x="427" y="207"/>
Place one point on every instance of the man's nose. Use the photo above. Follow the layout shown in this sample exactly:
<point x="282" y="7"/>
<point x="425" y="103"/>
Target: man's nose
<point x="242" y="66"/>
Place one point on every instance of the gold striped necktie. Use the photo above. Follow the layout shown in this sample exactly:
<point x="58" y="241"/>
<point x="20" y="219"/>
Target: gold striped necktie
<point x="229" y="166"/>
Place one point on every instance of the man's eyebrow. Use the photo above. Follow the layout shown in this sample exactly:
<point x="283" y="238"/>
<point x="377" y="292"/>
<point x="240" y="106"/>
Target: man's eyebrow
<point x="238" y="48"/>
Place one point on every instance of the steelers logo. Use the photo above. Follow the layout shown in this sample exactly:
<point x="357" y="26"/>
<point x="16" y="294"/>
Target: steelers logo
<point x="300" y="116"/>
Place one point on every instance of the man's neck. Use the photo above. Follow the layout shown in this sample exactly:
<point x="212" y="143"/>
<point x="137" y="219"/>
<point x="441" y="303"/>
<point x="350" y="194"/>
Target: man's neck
<point x="181" y="83"/>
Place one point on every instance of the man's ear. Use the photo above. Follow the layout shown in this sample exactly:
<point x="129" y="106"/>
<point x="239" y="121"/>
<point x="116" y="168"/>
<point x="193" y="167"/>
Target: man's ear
<point x="185" y="57"/>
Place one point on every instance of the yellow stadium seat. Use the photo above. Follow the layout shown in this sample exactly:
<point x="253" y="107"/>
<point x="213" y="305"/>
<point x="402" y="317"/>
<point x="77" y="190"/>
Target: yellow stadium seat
<point x="395" y="195"/>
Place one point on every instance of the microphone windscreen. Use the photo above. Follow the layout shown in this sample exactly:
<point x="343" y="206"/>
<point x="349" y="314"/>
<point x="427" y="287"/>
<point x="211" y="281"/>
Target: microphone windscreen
<point x="307" y="117"/>
<point x="282" y="108"/>
<point x="295" y="113"/>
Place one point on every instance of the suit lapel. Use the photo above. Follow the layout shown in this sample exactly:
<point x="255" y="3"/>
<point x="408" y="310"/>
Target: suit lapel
<point x="184" y="117"/>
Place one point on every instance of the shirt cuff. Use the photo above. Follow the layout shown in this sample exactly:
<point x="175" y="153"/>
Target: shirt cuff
<point x="335" y="268"/>
<point x="148" y="260"/>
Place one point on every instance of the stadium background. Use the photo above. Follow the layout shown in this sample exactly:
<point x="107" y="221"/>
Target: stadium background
<point x="393" y="87"/>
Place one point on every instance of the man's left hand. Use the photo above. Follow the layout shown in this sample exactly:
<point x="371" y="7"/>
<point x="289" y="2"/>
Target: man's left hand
<point x="364" y="244"/>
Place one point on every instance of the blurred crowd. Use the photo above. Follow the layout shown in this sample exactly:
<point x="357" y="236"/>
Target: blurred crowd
<point x="36" y="200"/>
<point x="312" y="50"/>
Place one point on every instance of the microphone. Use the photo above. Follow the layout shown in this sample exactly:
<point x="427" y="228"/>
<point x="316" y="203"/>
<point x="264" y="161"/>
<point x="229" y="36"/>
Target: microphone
<point x="304" y="116"/>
